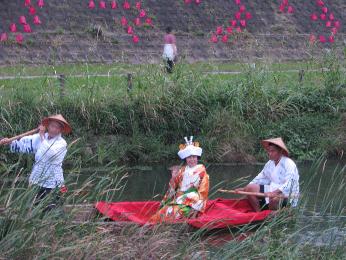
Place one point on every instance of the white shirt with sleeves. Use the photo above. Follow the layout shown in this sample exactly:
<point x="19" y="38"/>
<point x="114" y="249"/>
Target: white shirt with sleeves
<point x="284" y="177"/>
<point x="47" y="171"/>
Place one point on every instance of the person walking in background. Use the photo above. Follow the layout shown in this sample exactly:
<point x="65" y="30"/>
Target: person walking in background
<point x="169" y="50"/>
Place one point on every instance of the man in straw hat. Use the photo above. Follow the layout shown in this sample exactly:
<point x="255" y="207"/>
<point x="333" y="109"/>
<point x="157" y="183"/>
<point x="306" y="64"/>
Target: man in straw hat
<point x="187" y="194"/>
<point x="50" y="149"/>
<point x="278" y="177"/>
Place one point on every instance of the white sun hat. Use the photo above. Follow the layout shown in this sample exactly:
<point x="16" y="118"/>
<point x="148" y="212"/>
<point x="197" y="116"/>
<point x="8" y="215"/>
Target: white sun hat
<point x="189" y="148"/>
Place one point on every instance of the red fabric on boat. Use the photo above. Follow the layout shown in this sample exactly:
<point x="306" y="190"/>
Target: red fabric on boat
<point x="219" y="213"/>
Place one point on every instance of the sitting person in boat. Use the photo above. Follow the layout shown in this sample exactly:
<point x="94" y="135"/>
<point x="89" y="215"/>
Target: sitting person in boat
<point x="188" y="188"/>
<point x="50" y="149"/>
<point x="279" y="178"/>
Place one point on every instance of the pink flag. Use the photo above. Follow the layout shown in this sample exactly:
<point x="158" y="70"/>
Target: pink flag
<point x="91" y="4"/>
<point x="114" y="5"/>
<point x="320" y="3"/>
<point x="331" y="17"/>
<point x="40" y="3"/>
<point x="219" y="30"/>
<point x="137" y="21"/>
<point x="334" y="30"/>
<point x="237" y="15"/>
<point x="3" y="37"/>
<point x="123" y="21"/>
<point x="328" y="24"/>
<point x="198" y="2"/>
<point x="239" y="30"/>
<point x="331" y="39"/>
<point x="149" y="21"/>
<point x="19" y="38"/>
<point x="322" y="39"/>
<point x="135" y="39"/>
<point x="129" y="30"/>
<point x="243" y="23"/>
<point x="187" y="1"/>
<point x="290" y="9"/>
<point x="32" y="10"/>
<point x="242" y="8"/>
<point x="138" y="5"/>
<point x="314" y="17"/>
<point x="22" y="19"/>
<point x="37" y="20"/>
<point x="237" y="2"/>
<point x="282" y="8"/>
<point x="214" y="38"/>
<point x="229" y="29"/>
<point x="337" y="24"/>
<point x="224" y="38"/>
<point x="233" y="22"/>
<point x="27" y="28"/>
<point x="126" y="5"/>
<point x="102" y="5"/>
<point x="142" y="13"/>
<point x="248" y="16"/>
<point x="324" y="9"/>
<point x="312" y="39"/>
<point x="13" y="27"/>
<point x="27" y="2"/>
<point x="323" y="17"/>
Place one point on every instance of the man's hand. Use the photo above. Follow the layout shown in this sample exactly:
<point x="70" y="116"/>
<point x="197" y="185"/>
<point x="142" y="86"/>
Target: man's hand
<point x="273" y="193"/>
<point x="41" y="131"/>
<point x="4" y="141"/>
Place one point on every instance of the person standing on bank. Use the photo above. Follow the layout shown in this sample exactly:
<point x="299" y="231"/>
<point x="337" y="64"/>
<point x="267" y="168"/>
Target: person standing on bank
<point x="169" y="49"/>
<point x="50" y="149"/>
<point x="278" y="177"/>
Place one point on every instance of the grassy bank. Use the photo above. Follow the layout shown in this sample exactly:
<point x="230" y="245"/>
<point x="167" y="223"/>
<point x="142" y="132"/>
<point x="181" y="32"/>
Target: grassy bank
<point x="229" y="114"/>
<point x="26" y="233"/>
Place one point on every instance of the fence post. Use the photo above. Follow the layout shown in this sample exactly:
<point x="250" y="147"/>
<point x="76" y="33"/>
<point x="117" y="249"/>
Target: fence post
<point x="129" y="82"/>
<point x="62" y="80"/>
<point x="301" y="75"/>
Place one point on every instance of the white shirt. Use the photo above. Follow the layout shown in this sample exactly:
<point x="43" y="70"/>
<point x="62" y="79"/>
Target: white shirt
<point x="284" y="177"/>
<point x="49" y="154"/>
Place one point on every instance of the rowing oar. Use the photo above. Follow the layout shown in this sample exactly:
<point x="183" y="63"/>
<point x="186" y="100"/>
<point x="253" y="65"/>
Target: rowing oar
<point x="31" y="132"/>
<point x="258" y="194"/>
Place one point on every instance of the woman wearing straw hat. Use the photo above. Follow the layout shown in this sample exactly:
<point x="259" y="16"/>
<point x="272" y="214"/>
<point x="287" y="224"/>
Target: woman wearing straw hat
<point x="49" y="149"/>
<point x="188" y="189"/>
<point x="278" y="177"/>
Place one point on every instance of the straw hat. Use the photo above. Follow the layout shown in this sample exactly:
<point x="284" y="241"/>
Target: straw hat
<point x="59" y="118"/>
<point x="277" y="141"/>
<point x="189" y="148"/>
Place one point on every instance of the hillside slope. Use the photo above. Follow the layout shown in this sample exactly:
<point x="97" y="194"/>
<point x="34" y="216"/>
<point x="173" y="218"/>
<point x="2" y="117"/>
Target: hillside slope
<point x="69" y="32"/>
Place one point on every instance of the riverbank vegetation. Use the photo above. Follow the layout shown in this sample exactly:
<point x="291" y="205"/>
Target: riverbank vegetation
<point x="313" y="230"/>
<point x="228" y="113"/>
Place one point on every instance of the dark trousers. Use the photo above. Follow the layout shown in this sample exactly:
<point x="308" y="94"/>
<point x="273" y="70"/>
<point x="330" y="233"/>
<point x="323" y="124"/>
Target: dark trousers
<point x="42" y="193"/>
<point x="169" y="66"/>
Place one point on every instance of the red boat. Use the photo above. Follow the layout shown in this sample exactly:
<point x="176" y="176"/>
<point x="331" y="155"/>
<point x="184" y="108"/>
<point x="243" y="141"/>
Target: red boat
<point x="219" y="213"/>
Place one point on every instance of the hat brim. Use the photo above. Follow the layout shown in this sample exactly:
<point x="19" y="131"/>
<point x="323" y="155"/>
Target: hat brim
<point x="266" y="143"/>
<point x="66" y="128"/>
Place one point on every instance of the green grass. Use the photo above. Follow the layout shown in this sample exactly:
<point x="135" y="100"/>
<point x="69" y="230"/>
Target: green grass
<point x="25" y="232"/>
<point x="228" y="114"/>
<point x="119" y="68"/>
